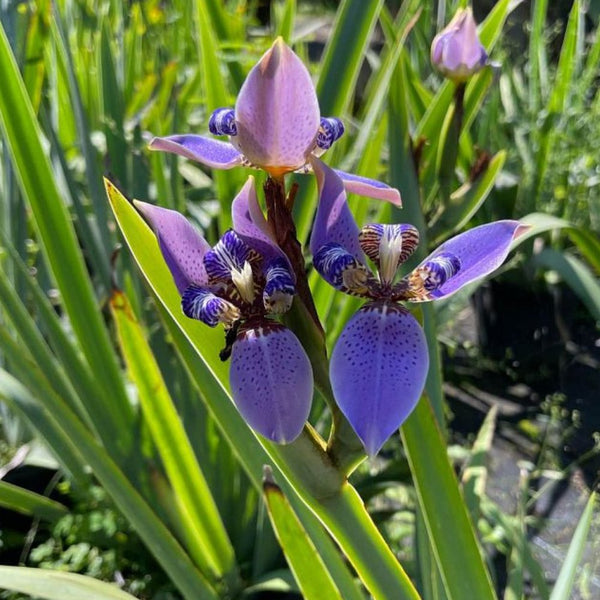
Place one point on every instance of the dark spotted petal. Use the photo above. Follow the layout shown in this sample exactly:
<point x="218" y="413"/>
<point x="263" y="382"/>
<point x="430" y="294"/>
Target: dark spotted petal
<point x="334" y="223"/>
<point x="209" y="152"/>
<point x="277" y="112"/>
<point x="341" y="270"/>
<point x="378" y="369"/>
<point x="271" y="381"/>
<point x="182" y="247"/>
<point x="479" y="251"/>
<point x="202" y="304"/>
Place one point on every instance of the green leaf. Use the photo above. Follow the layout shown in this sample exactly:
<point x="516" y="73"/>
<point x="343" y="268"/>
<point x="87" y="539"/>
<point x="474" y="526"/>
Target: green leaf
<point x="151" y="530"/>
<point x="27" y="502"/>
<point x="60" y="245"/>
<point x="563" y="587"/>
<point x="450" y="530"/>
<point x="204" y="529"/>
<point x="56" y="585"/>
<point x="314" y="580"/>
<point x="465" y="202"/>
<point x="575" y="274"/>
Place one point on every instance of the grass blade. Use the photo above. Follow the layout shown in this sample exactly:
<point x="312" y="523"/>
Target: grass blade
<point x="566" y="578"/>
<point x="27" y="502"/>
<point x="311" y="575"/>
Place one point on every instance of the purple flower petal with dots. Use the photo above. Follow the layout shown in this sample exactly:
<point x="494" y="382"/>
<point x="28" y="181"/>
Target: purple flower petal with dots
<point x="372" y="188"/>
<point x="212" y="153"/>
<point x="334" y="223"/>
<point x="378" y="370"/>
<point x="182" y="247"/>
<point x="479" y="251"/>
<point x="277" y="112"/>
<point x="271" y="381"/>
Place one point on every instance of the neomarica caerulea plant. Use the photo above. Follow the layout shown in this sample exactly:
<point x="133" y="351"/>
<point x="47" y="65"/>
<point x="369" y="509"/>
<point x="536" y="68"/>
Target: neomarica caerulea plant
<point x="379" y="364"/>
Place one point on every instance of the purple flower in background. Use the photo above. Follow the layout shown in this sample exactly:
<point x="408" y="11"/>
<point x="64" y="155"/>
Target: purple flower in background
<point x="456" y="51"/>
<point x="275" y="126"/>
<point x="380" y="361"/>
<point x="240" y="282"/>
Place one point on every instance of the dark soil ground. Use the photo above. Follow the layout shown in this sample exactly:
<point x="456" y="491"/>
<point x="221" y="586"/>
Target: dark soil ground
<point x="537" y="357"/>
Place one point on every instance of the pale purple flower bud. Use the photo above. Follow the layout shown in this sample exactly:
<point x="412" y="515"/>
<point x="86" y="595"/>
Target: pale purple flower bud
<point x="456" y="51"/>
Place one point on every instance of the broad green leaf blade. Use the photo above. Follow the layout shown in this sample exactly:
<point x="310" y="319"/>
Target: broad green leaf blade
<point x="450" y="530"/>
<point x="312" y="577"/>
<point x="27" y="502"/>
<point x="344" y="54"/>
<point x="563" y="587"/>
<point x="465" y="202"/>
<point x="56" y="585"/>
<point x="575" y="274"/>
<point x="151" y="530"/>
<point x="206" y="535"/>
<point x="586" y="240"/>
<point x="538" y="60"/>
<point x="57" y="237"/>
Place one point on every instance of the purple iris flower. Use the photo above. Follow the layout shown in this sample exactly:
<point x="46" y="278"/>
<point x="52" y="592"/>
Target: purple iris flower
<point x="456" y="51"/>
<point x="275" y="126"/>
<point x="379" y="364"/>
<point x="242" y="282"/>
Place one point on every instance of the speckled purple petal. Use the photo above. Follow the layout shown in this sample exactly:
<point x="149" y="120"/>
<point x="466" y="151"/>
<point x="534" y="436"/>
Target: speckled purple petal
<point x="182" y="247"/>
<point x="372" y="188"/>
<point x="250" y="224"/>
<point x="480" y="251"/>
<point x="277" y="113"/>
<point x="334" y="223"/>
<point x="378" y="370"/>
<point x="209" y="152"/>
<point x="271" y="381"/>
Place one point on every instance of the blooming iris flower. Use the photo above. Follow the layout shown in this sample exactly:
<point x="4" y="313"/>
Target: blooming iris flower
<point x="379" y="364"/>
<point x="456" y="51"/>
<point x="241" y="282"/>
<point x="275" y="126"/>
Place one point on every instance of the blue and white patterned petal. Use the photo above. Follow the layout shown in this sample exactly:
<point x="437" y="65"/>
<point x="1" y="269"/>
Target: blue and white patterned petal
<point x="378" y="369"/>
<point x="228" y="255"/>
<point x="271" y="381"/>
<point x="222" y="122"/>
<point x="330" y="130"/>
<point x="279" y="289"/>
<point x="202" y="304"/>
<point x="341" y="269"/>
<point x="430" y="275"/>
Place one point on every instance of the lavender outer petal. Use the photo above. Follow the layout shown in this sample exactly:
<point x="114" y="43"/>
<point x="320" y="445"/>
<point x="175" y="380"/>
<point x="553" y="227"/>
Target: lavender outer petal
<point x="277" y="112"/>
<point x="372" y="188"/>
<point x="480" y="251"/>
<point x="250" y="224"/>
<point x="209" y="152"/>
<point x="334" y="223"/>
<point x="271" y="381"/>
<point x="182" y="247"/>
<point x="378" y="370"/>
